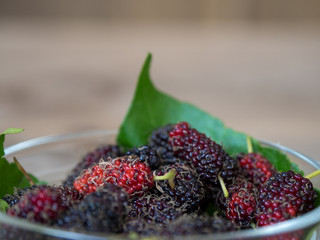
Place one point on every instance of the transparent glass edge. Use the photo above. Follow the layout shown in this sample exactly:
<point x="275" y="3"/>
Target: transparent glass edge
<point x="47" y="230"/>
<point x="54" y="138"/>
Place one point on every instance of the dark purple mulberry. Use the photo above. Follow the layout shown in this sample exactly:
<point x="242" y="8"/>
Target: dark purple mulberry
<point x="141" y="227"/>
<point x="155" y="209"/>
<point x="202" y="225"/>
<point x="207" y="157"/>
<point x="193" y="225"/>
<point x="104" y="210"/>
<point x="188" y="191"/>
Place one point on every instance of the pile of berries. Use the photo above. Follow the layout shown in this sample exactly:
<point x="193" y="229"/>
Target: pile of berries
<point x="165" y="189"/>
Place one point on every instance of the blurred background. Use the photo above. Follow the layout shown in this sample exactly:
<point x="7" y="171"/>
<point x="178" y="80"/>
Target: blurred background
<point x="69" y="66"/>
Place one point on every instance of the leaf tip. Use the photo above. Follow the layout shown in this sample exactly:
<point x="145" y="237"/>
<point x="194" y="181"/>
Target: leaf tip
<point x="12" y="131"/>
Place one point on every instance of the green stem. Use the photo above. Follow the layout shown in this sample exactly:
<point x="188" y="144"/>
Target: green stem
<point x="249" y="145"/>
<point x="313" y="174"/>
<point x="168" y="176"/>
<point x="23" y="171"/>
<point x="223" y="186"/>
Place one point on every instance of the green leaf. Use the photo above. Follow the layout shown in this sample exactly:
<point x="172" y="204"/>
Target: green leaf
<point x="1" y="145"/>
<point x="278" y="159"/>
<point x="311" y="232"/>
<point x="3" y="206"/>
<point x="10" y="175"/>
<point x="7" y="131"/>
<point x="12" y="130"/>
<point x="151" y="108"/>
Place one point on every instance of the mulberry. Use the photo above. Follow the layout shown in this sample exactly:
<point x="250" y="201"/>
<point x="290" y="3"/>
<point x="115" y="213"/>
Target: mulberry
<point x="12" y="199"/>
<point x="256" y="168"/>
<point x="241" y="203"/>
<point x="207" y="157"/>
<point x="155" y="209"/>
<point x="188" y="190"/>
<point x="128" y="172"/>
<point x="43" y="204"/>
<point x="193" y="225"/>
<point x="284" y="196"/>
<point x="91" y="158"/>
<point x="104" y="210"/>
<point x="141" y="227"/>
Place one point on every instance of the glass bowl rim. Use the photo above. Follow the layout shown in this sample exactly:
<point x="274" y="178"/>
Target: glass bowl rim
<point x="309" y="219"/>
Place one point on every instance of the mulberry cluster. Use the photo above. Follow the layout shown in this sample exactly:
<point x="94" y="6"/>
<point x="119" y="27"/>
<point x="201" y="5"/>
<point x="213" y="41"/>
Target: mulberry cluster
<point x="180" y="183"/>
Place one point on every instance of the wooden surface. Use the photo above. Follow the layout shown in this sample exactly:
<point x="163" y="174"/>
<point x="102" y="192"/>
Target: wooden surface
<point x="61" y="77"/>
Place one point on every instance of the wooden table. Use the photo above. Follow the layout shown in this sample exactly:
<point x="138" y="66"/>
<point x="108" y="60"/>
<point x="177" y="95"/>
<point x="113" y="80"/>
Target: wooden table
<point x="61" y="77"/>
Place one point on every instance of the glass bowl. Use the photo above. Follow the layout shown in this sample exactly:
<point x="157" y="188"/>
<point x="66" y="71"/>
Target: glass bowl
<point x="51" y="158"/>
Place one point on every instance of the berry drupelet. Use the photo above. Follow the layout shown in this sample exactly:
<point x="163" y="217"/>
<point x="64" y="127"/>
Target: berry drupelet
<point x="12" y="199"/>
<point x="197" y="225"/>
<point x="141" y="227"/>
<point x="284" y="196"/>
<point x="147" y="155"/>
<point x="193" y="226"/>
<point x="154" y="209"/>
<point x="188" y="190"/>
<point x="91" y="158"/>
<point x="207" y="157"/>
<point x="69" y="195"/>
<point x="159" y="139"/>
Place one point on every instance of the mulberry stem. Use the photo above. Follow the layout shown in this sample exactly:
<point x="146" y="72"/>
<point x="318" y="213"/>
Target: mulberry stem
<point x="249" y="144"/>
<point x="168" y="176"/>
<point x="313" y="174"/>
<point x="223" y="186"/>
